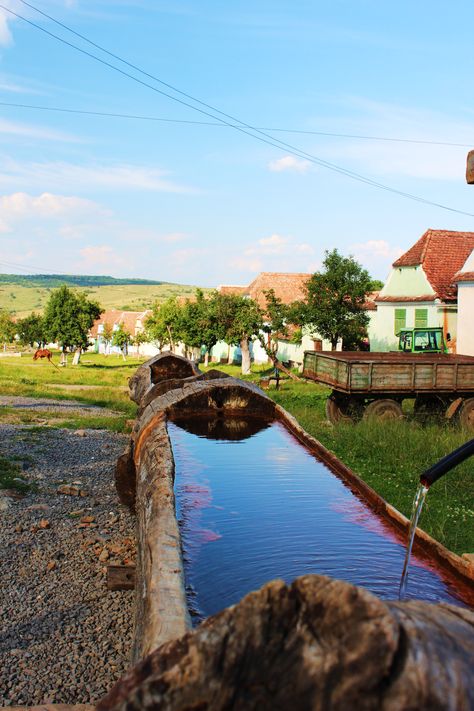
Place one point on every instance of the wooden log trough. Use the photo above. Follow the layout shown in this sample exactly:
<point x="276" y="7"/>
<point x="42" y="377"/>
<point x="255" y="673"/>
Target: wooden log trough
<point x="169" y="386"/>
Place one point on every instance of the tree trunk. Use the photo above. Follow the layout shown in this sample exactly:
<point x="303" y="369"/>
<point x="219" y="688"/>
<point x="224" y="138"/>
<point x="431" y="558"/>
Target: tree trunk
<point x="277" y="364"/>
<point x="230" y="358"/>
<point x="206" y="358"/>
<point x="334" y="344"/>
<point x="244" y="347"/>
<point x="171" y="339"/>
<point x="63" y="358"/>
<point x="77" y="356"/>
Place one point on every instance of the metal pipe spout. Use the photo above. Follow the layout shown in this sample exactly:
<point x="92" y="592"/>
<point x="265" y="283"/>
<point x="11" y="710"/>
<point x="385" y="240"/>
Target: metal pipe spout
<point x="447" y="463"/>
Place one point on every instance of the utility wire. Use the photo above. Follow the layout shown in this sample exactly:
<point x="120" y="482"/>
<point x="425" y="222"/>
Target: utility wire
<point x="242" y="127"/>
<point x="22" y="267"/>
<point x="141" y="117"/>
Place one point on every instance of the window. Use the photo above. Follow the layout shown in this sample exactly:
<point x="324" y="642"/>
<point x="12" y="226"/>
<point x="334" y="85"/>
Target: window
<point x="400" y="320"/>
<point x="421" y="318"/>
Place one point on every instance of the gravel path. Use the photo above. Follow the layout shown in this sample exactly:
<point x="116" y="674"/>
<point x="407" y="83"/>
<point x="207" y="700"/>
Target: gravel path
<point x="49" y="405"/>
<point x="64" y="638"/>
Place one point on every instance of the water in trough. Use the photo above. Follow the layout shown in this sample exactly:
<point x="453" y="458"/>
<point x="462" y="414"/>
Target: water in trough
<point x="254" y="504"/>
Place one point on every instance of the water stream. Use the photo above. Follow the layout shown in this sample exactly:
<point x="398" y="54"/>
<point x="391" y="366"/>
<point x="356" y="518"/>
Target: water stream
<point x="418" y="502"/>
<point x="254" y="504"/>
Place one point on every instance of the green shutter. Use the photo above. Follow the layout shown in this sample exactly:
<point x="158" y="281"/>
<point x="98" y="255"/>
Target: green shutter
<point x="421" y="318"/>
<point x="400" y="320"/>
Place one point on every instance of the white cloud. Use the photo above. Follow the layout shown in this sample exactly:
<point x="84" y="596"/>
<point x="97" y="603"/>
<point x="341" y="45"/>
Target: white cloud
<point x="376" y="249"/>
<point x="22" y="206"/>
<point x="54" y="175"/>
<point x="174" y="237"/>
<point x="291" y="163"/>
<point x="277" y="244"/>
<point x="12" y="128"/>
<point x="103" y="256"/>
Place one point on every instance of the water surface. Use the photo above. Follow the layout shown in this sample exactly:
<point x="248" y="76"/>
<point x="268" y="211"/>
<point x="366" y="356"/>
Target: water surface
<point x="264" y="507"/>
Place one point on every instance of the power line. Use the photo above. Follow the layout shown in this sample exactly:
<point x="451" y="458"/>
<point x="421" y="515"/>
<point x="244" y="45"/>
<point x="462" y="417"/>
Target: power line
<point x="242" y="127"/>
<point x="28" y="269"/>
<point x="141" y="117"/>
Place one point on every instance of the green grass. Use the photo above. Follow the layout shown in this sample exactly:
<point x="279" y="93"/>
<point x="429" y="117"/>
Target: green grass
<point x="22" y="300"/>
<point x="97" y="380"/>
<point x="12" y="477"/>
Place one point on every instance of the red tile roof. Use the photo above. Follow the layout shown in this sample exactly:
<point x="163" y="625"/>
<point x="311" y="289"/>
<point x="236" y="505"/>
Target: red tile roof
<point x="128" y="319"/>
<point x="288" y="286"/>
<point x="464" y="276"/>
<point x="227" y="289"/>
<point x="441" y="253"/>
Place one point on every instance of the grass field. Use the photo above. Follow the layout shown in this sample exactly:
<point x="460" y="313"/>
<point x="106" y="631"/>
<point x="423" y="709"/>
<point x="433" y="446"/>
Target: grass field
<point x="22" y="300"/>
<point x="389" y="456"/>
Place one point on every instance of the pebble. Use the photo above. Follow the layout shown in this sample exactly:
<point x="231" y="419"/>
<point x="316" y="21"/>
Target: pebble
<point x="65" y="637"/>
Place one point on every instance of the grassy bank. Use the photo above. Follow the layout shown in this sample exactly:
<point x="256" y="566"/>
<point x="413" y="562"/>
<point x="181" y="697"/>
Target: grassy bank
<point x="389" y="456"/>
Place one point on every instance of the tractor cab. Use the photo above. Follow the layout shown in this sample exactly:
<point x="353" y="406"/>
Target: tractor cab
<point x="422" y="340"/>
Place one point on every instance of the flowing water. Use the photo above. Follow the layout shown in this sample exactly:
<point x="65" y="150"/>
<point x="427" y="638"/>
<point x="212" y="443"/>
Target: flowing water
<point x="254" y="504"/>
<point x="418" y="502"/>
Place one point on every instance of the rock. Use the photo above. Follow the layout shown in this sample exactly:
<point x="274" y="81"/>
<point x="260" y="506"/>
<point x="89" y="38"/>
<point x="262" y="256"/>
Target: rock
<point x="80" y="433"/>
<point x="316" y="644"/>
<point x="51" y="565"/>
<point x="104" y="555"/>
<point x="44" y="523"/>
<point x="87" y="519"/>
<point x="71" y="490"/>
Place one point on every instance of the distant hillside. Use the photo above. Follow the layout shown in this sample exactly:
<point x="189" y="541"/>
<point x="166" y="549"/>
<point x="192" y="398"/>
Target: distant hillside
<point x="22" y="297"/>
<point x="53" y="280"/>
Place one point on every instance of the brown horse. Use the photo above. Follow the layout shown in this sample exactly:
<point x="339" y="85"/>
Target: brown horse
<point x="44" y="353"/>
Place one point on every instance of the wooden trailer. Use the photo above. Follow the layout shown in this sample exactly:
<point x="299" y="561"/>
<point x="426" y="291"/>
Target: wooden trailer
<point x="374" y="385"/>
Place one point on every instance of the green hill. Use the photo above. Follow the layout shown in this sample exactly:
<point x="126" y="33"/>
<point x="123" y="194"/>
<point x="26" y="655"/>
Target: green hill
<point x="20" y="295"/>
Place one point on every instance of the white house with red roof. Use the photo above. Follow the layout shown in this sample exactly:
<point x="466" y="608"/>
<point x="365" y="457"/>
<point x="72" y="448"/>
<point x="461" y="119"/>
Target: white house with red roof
<point x="465" y="283"/>
<point x="421" y="289"/>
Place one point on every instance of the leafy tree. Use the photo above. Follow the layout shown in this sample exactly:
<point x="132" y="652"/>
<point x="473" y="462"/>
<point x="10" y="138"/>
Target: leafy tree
<point x="7" y="328"/>
<point x="334" y="306"/>
<point x="31" y="330"/>
<point x="277" y="321"/>
<point x="200" y="324"/>
<point x="68" y="318"/>
<point x="164" y="326"/>
<point x="107" y="335"/>
<point x="122" y="339"/>
<point x="241" y="320"/>
<point x="140" y="338"/>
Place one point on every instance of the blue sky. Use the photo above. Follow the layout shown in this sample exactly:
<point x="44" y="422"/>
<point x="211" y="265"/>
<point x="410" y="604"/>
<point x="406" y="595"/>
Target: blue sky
<point x="207" y="204"/>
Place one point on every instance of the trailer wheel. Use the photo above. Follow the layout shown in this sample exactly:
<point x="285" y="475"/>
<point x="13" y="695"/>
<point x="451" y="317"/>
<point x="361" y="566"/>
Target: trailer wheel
<point x="429" y="408"/>
<point x="336" y="411"/>
<point x="383" y="410"/>
<point x="466" y="414"/>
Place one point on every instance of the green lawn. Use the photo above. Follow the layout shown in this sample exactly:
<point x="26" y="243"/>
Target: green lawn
<point x="389" y="456"/>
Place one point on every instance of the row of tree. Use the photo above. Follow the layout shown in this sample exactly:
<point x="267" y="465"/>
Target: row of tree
<point x="333" y="309"/>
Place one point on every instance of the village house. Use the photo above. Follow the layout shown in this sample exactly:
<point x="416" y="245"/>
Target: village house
<point x="465" y="283"/>
<point x="132" y="322"/>
<point x="421" y="289"/>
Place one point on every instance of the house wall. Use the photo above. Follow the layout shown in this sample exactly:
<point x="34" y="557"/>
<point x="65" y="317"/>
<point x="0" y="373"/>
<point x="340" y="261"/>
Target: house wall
<point x="465" y="331"/>
<point x="381" y="328"/>
<point x="407" y="281"/>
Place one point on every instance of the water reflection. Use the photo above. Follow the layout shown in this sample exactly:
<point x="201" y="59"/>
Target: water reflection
<point x="262" y="507"/>
<point x="226" y="428"/>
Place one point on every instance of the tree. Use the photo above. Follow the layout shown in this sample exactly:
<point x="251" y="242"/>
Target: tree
<point x="140" y="338"/>
<point x="68" y="318"/>
<point x="122" y="339"/>
<point x="334" y="306"/>
<point x="241" y="320"/>
<point x="277" y="320"/>
<point x="200" y="325"/>
<point x="31" y="330"/>
<point x="7" y="328"/>
<point x="164" y="326"/>
<point x="107" y="335"/>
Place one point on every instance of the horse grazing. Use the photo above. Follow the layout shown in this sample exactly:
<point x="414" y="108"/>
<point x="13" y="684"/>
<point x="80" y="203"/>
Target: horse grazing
<point x="44" y="353"/>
